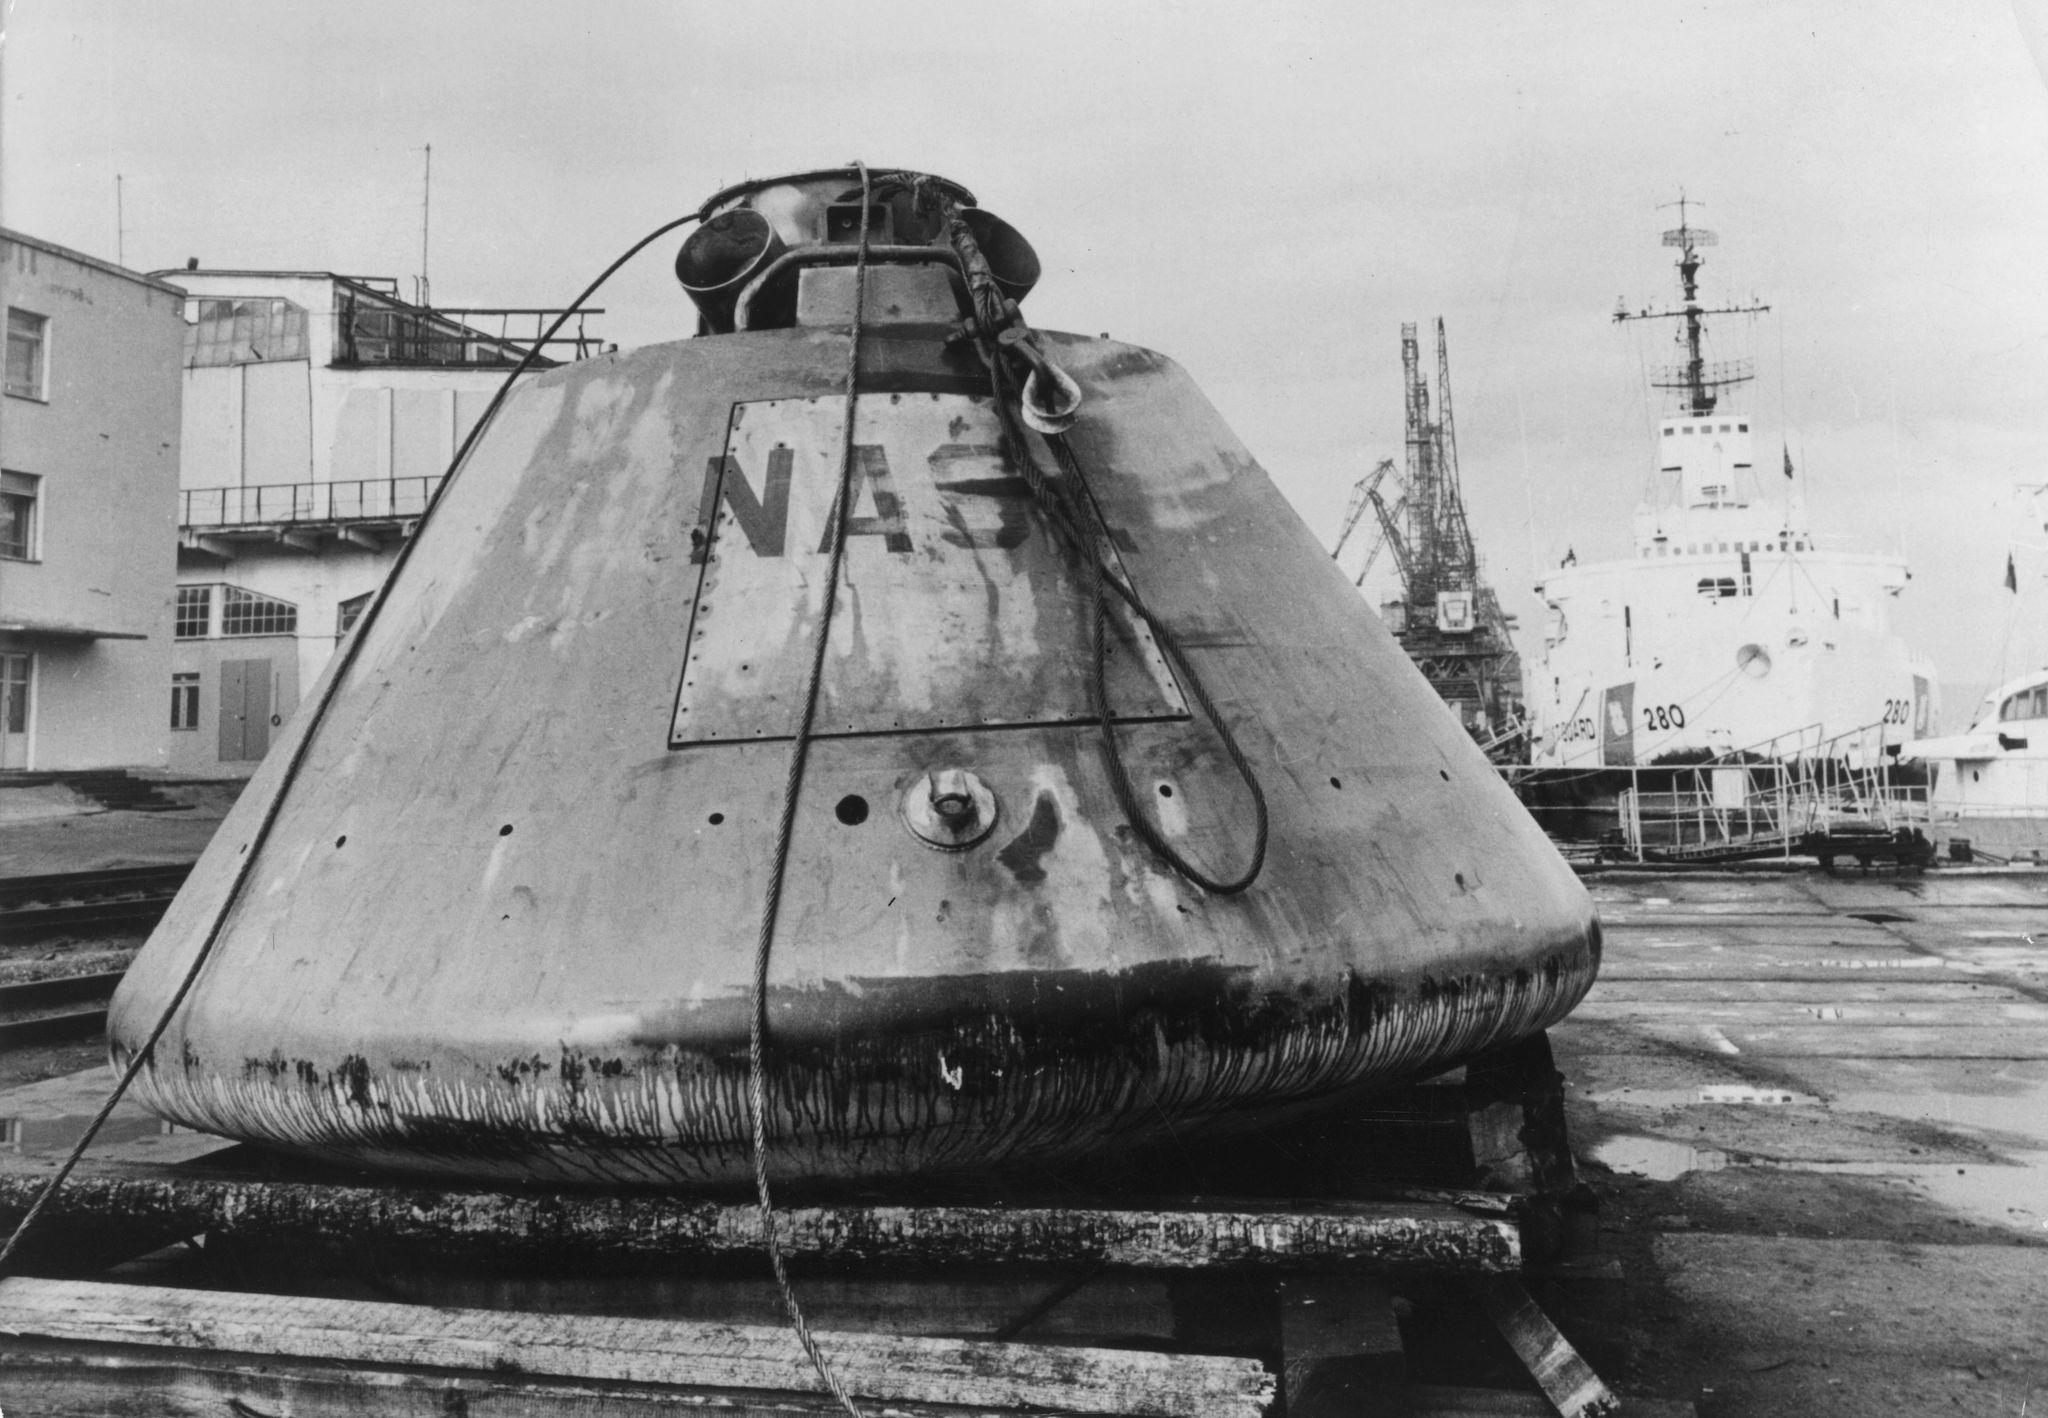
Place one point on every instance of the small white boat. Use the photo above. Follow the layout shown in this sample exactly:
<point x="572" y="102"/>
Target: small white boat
<point x="1990" y="783"/>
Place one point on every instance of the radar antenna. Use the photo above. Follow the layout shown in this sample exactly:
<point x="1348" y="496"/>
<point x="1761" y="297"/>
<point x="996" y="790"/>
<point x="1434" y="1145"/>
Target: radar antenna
<point x="1696" y="377"/>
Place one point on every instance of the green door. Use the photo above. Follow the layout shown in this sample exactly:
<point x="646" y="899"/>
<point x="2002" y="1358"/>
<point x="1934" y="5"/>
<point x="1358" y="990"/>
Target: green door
<point x="244" y="710"/>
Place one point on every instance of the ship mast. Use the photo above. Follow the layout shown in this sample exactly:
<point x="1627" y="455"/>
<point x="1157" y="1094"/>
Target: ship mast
<point x="1698" y="379"/>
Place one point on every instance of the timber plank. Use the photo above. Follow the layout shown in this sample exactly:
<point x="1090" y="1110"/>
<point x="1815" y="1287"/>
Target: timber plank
<point x="1566" y="1379"/>
<point x="702" y="1358"/>
<point x="68" y="1382"/>
<point x="597" y="1230"/>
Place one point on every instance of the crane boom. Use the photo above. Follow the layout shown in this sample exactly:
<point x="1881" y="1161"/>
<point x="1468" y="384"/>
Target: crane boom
<point x="1360" y="492"/>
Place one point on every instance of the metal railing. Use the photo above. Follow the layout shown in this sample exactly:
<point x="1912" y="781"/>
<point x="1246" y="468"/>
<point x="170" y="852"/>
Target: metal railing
<point x="375" y="499"/>
<point x="1812" y="794"/>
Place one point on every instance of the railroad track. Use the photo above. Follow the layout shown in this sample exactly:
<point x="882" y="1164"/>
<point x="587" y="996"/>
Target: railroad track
<point x="86" y="903"/>
<point x="55" y="1011"/>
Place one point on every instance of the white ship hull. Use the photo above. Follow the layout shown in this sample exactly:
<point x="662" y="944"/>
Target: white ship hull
<point x="1654" y="659"/>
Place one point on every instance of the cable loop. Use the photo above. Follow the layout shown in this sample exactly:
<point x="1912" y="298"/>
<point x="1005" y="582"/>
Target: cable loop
<point x="1070" y="504"/>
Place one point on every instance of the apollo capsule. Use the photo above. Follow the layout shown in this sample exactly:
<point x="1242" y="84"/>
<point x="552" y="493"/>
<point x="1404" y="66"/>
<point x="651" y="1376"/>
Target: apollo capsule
<point x="499" y="922"/>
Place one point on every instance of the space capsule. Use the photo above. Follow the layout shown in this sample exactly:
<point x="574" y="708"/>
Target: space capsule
<point x="1120" y="811"/>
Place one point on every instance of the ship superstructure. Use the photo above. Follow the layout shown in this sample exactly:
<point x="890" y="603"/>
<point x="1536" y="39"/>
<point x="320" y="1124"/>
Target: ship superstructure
<point x="1729" y="628"/>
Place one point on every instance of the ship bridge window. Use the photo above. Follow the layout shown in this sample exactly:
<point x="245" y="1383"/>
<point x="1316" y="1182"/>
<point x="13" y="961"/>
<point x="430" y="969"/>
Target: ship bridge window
<point x="1716" y="586"/>
<point x="1742" y="428"/>
<point x="2026" y="705"/>
<point x="1686" y="429"/>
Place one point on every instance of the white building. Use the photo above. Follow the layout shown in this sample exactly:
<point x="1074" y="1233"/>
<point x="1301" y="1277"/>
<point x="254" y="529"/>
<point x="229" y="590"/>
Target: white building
<point x="88" y="499"/>
<point x="321" y="411"/>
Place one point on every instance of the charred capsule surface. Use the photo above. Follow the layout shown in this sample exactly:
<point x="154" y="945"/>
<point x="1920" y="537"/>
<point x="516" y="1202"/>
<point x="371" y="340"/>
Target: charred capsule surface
<point x="601" y="645"/>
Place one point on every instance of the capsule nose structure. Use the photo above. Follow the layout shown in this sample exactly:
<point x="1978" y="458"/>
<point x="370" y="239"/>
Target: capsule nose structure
<point x="499" y="914"/>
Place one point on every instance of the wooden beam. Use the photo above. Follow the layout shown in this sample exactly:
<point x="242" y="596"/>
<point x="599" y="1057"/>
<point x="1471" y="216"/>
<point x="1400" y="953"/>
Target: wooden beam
<point x="1566" y="1379"/>
<point x="212" y="1331"/>
<point x="587" y="1231"/>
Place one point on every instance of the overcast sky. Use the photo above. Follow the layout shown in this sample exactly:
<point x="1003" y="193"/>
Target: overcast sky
<point x="1263" y="191"/>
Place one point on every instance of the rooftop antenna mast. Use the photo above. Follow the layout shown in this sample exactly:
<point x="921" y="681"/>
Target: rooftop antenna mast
<point x="1698" y="379"/>
<point x="426" y="206"/>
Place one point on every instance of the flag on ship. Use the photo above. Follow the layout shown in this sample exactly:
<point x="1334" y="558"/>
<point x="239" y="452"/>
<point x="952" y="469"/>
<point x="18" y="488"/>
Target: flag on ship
<point x="2012" y="576"/>
<point x="1788" y="458"/>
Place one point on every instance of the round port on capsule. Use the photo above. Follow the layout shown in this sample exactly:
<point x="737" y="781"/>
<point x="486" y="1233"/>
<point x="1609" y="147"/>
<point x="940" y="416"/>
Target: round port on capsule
<point x="949" y="808"/>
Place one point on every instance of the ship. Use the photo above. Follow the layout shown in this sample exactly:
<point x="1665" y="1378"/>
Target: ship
<point x="1732" y="630"/>
<point x="927" y="739"/>
<point x="1987" y="786"/>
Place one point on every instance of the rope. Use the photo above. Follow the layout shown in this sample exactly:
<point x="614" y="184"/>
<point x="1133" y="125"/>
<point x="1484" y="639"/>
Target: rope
<point x="757" y="1087"/>
<point x="317" y="713"/>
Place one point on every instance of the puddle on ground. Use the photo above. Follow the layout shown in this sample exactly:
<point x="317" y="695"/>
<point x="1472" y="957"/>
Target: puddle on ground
<point x="1657" y="1159"/>
<point x="1735" y="1094"/>
<point x="2011" y="1194"/>
<point x="36" y="1137"/>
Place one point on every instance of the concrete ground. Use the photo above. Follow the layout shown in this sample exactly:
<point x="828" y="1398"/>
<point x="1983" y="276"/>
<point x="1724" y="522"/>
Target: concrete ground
<point x="1816" y="1112"/>
<point x="48" y="830"/>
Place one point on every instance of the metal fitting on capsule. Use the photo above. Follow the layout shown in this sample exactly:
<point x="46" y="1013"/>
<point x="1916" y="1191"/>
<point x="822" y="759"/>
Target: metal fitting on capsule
<point x="1052" y="400"/>
<point x="949" y="808"/>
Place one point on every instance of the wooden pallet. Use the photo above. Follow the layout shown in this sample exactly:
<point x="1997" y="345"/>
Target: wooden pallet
<point x="266" y="1289"/>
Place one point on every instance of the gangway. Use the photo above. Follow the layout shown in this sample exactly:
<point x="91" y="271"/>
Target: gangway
<point x="1826" y="798"/>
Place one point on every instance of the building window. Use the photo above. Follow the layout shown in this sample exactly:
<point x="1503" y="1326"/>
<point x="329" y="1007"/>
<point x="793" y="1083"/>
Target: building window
<point x="185" y="701"/>
<point x="243" y="331"/>
<point x="247" y="613"/>
<point x="195" y="613"/>
<point x="18" y="496"/>
<point x="349" y="612"/>
<point x="26" y="337"/>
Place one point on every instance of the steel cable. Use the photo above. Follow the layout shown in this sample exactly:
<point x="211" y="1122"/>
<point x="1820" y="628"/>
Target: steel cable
<point x="757" y="1087"/>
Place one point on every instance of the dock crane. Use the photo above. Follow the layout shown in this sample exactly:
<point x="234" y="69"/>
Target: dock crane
<point x="1448" y="620"/>
<point x="1365" y="493"/>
